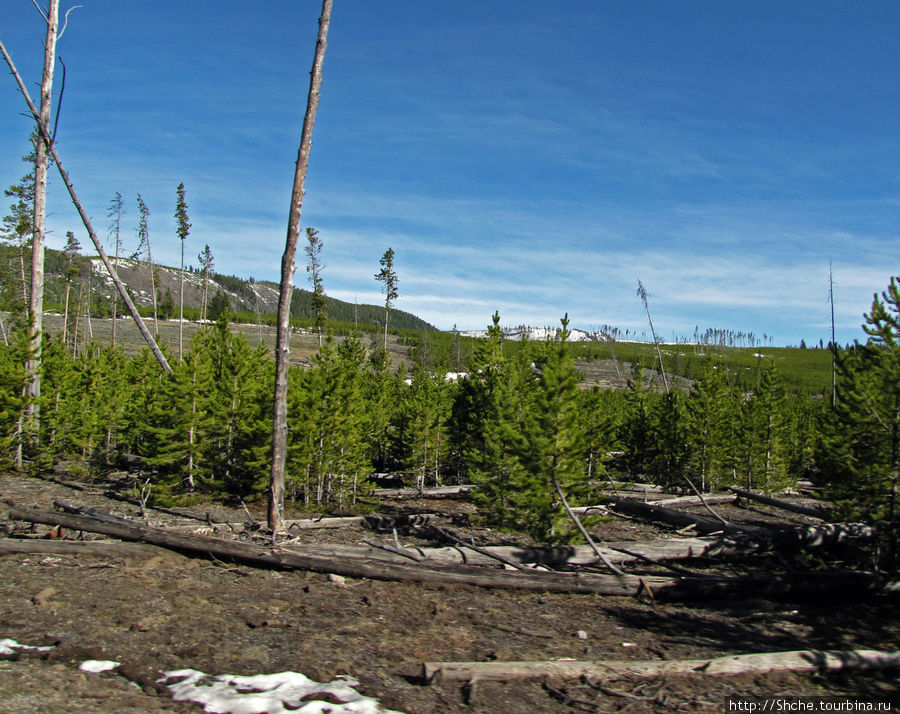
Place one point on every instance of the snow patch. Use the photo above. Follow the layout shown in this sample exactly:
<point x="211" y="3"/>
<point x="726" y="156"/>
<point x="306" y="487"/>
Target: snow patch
<point x="8" y="647"/>
<point x="269" y="693"/>
<point x="95" y="666"/>
<point x="260" y="694"/>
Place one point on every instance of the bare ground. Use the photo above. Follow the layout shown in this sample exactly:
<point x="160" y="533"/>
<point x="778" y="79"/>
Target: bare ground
<point x="157" y="610"/>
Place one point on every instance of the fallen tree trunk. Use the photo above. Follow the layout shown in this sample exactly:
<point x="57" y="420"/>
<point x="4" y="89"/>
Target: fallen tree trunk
<point x="662" y="499"/>
<point x="784" y="505"/>
<point x="792" y="585"/>
<point x="819" y="536"/>
<point x="554" y="556"/>
<point x="679" y="519"/>
<point x="712" y="498"/>
<point x="374" y="521"/>
<point x="105" y="548"/>
<point x="379" y="570"/>
<point x="804" y="661"/>
<point x="437" y="492"/>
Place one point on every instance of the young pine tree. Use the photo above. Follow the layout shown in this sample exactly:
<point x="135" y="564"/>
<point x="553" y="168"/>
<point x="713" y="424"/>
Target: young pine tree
<point x="552" y="450"/>
<point x="860" y="450"/>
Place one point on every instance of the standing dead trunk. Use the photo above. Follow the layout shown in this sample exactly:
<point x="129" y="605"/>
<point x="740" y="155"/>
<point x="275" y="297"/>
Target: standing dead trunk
<point x="36" y="304"/>
<point x="282" y="340"/>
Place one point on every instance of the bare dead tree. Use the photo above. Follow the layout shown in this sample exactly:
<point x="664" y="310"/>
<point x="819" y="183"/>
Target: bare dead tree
<point x="36" y="303"/>
<point x="642" y="294"/>
<point x="45" y="136"/>
<point x="283" y="331"/>
<point x="833" y="343"/>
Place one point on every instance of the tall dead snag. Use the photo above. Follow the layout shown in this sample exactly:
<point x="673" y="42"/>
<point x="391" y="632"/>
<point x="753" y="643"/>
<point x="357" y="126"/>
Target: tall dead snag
<point x="120" y="286"/>
<point x="283" y="334"/>
<point x="642" y="294"/>
<point x="36" y="303"/>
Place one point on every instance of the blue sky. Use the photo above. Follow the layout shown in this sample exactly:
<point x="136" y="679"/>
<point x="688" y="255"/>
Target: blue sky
<point x="534" y="158"/>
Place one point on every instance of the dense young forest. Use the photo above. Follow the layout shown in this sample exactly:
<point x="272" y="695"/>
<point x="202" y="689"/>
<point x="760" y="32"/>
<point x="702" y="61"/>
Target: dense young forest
<point x="517" y="424"/>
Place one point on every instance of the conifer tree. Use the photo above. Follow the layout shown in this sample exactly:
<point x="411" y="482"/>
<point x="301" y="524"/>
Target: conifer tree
<point x="144" y="247"/>
<point x="669" y="451"/>
<point x="489" y="415"/>
<point x="388" y="277"/>
<point x="636" y="431"/>
<point x="426" y="405"/>
<point x="601" y="414"/>
<point x="114" y="212"/>
<point x="13" y="398"/>
<point x="713" y="414"/>
<point x="182" y="417"/>
<point x="314" y="267"/>
<point x="552" y="450"/>
<point x="242" y="399"/>
<point x="16" y="232"/>
<point x="764" y="434"/>
<point x="207" y="263"/>
<point x="183" y="229"/>
<point x="380" y="390"/>
<point x="328" y="452"/>
<point x="860" y="451"/>
<point x="71" y="250"/>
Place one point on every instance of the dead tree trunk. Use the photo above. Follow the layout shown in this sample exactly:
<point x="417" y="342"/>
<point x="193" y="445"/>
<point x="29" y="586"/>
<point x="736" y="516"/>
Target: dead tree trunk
<point x="36" y="304"/>
<point x="795" y="585"/>
<point x="807" y="661"/>
<point x="679" y="519"/>
<point x="283" y="336"/>
<point x="784" y="505"/>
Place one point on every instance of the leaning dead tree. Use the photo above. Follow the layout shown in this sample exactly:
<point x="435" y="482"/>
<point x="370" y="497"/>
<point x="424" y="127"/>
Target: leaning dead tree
<point x="642" y="294"/>
<point x="120" y="287"/>
<point x="283" y="334"/>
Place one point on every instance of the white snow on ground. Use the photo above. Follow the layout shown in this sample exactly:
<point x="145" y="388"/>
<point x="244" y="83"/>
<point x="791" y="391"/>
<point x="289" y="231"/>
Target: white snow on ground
<point x="95" y="666"/>
<point x="9" y="647"/>
<point x="260" y="694"/>
<point x="269" y="693"/>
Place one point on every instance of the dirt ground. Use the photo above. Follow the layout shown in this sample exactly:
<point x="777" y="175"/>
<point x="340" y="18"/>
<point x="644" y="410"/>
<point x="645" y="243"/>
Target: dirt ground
<point x="155" y="610"/>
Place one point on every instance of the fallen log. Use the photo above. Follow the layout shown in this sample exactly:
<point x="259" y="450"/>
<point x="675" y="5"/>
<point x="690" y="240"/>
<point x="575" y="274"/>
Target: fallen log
<point x="822" y="535"/>
<point x="103" y="548"/>
<point x="712" y="498"/>
<point x="374" y="521"/>
<point x="784" y="505"/>
<point x="379" y="570"/>
<point x="679" y="519"/>
<point x="795" y="585"/>
<point x="661" y="499"/>
<point x="671" y="549"/>
<point x="803" y="661"/>
<point x="664" y="549"/>
<point x="437" y="492"/>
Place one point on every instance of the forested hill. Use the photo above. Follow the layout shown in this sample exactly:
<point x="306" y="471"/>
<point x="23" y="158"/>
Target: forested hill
<point x="245" y="296"/>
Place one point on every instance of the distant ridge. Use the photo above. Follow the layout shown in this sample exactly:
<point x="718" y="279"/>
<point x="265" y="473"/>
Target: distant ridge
<point x="244" y="295"/>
